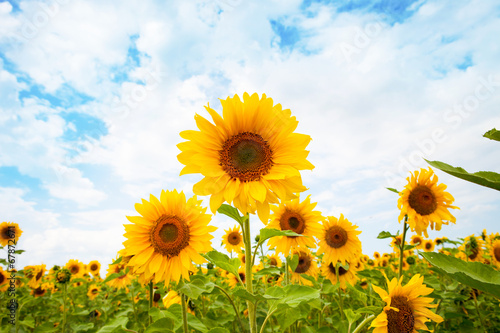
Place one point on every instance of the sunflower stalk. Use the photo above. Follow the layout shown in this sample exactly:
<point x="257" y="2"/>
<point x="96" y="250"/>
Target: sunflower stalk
<point x="248" y="274"/>
<point x="234" y="306"/>
<point x="65" y="288"/>
<point x="363" y="324"/>
<point x="151" y="296"/>
<point x="402" y="247"/>
<point x="477" y="309"/>
<point x="337" y="268"/>
<point x="184" y="314"/>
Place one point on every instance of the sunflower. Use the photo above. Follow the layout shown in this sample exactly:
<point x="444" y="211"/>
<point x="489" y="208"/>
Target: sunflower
<point x="35" y="275"/>
<point x="405" y="311"/>
<point x="96" y="314"/>
<point x="306" y="266"/>
<point x="471" y="249"/>
<point x="172" y="297"/>
<point x="345" y="275"/>
<point x="170" y="234"/>
<point x="123" y="280"/>
<point x="495" y="252"/>
<point x="94" y="268"/>
<point x="40" y="291"/>
<point x="93" y="291"/>
<point x="339" y="240"/>
<point x="242" y="257"/>
<point x="76" y="268"/>
<point x="233" y="239"/>
<point x="428" y="245"/>
<point x="9" y="231"/>
<point x="376" y="255"/>
<point x="251" y="157"/>
<point x="425" y="202"/>
<point x="298" y="217"/>
<point x="4" y="280"/>
<point x="233" y="281"/>
<point x="274" y="260"/>
<point x="418" y="241"/>
<point x="396" y="242"/>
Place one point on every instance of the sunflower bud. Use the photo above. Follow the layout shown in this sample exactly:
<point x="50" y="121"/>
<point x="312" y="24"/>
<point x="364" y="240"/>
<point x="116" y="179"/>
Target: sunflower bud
<point x="410" y="260"/>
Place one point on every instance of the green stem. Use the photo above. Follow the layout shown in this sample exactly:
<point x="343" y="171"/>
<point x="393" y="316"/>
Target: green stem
<point x="477" y="309"/>
<point x="133" y="303"/>
<point x="363" y="323"/>
<point x="402" y="247"/>
<point x="184" y="314"/>
<point x="265" y="321"/>
<point x="64" y="307"/>
<point x="234" y="306"/>
<point x="248" y="274"/>
<point x="287" y="273"/>
<point x="151" y="297"/>
<point x="340" y="292"/>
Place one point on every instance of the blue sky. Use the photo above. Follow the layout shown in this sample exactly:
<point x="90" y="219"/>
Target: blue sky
<point x="93" y="97"/>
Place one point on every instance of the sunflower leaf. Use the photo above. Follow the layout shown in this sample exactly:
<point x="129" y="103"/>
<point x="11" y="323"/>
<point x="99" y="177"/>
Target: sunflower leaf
<point x="293" y="262"/>
<point x="385" y="234"/>
<point x="266" y="233"/>
<point x="161" y="325"/>
<point x="484" y="178"/>
<point x="198" y="285"/>
<point x="112" y="277"/>
<point x="117" y="261"/>
<point x="392" y="190"/>
<point x="473" y="274"/>
<point x="493" y="134"/>
<point x="231" y="212"/>
<point x="221" y="260"/>
<point x="291" y="296"/>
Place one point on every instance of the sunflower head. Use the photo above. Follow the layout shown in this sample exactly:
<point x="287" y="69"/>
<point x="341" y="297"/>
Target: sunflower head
<point x="428" y="245"/>
<point x="233" y="239"/>
<point x="405" y="310"/>
<point x="495" y="252"/>
<point x="93" y="291"/>
<point x="346" y="273"/>
<point x="170" y="233"/>
<point x="425" y="202"/>
<point x="472" y="248"/>
<point x="94" y="267"/>
<point x="339" y="240"/>
<point x="306" y="265"/>
<point x="63" y="276"/>
<point x="9" y="231"/>
<point x="76" y="268"/>
<point x="249" y="156"/>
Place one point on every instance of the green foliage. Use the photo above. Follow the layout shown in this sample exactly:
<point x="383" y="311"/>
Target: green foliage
<point x="492" y="134"/>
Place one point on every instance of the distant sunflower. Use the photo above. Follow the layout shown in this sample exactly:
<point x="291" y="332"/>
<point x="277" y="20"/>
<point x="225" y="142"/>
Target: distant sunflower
<point x="9" y="231"/>
<point x="298" y="217"/>
<point x="233" y="281"/>
<point x="306" y="266"/>
<point x="405" y="311"/>
<point x="121" y="281"/>
<point x="274" y="260"/>
<point x="233" y="239"/>
<point x="495" y="252"/>
<point x="39" y="291"/>
<point x="172" y="297"/>
<point x="425" y="202"/>
<point x="428" y="245"/>
<point x="94" y="267"/>
<point x="472" y="248"/>
<point x="4" y="279"/>
<point x="376" y="255"/>
<point x="339" y="240"/>
<point x="418" y="241"/>
<point x="93" y="291"/>
<point x="95" y="315"/>
<point x="251" y="157"/>
<point x="76" y="268"/>
<point x="242" y="258"/>
<point x="170" y="234"/>
<point x="396" y="241"/>
<point x="345" y="275"/>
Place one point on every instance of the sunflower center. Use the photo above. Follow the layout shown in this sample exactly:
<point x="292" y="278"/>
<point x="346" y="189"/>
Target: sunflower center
<point x="422" y="200"/>
<point x="292" y="221"/>
<point x="234" y="238"/>
<point x="170" y="235"/>
<point x="2" y="278"/>
<point x="416" y="241"/>
<point x="94" y="291"/>
<point x="428" y="246"/>
<point x="93" y="267"/>
<point x="473" y="248"/>
<point x="246" y="156"/>
<point x="242" y="277"/>
<point x="304" y="263"/>
<point x="6" y="233"/>
<point x="274" y="262"/>
<point x="157" y="297"/>
<point x="401" y="321"/>
<point x="39" y="291"/>
<point x="336" y="237"/>
<point x="75" y="269"/>
<point x="342" y="270"/>
<point x="39" y="275"/>
<point x="496" y="252"/>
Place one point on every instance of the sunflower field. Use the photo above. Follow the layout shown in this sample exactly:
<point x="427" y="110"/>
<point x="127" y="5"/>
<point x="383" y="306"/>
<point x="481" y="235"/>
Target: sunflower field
<point x="303" y="272"/>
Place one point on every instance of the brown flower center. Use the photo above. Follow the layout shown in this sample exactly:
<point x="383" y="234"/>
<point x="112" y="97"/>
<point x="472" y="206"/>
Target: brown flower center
<point x="39" y="275"/>
<point x="39" y="292"/>
<point x="6" y="233"/>
<point x="157" y="297"/>
<point x="428" y="245"/>
<point x="416" y="241"/>
<point x="292" y="221"/>
<point x="336" y="237"/>
<point x="234" y="238"/>
<point x="273" y="262"/>
<point x="242" y="277"/>
<point x="243" y="259"/>
<point x="304" y="264"/>
<point x="246" y="156"/>
<point x="74" y="269"/>
<point x="401" y="321"/>
<point x="342" y="270"/>
<point x="2" y="278"/>
<point x="94" y="267"/>
<point x="422" y="200"/>
<point x="496" y="252"/>
<point x="473" y="248"/>
<point x="170" y="235"/>
<point x="94" y="291"/>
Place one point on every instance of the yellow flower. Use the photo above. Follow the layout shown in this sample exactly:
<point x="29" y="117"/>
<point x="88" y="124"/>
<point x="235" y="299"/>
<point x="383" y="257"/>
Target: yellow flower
<point x="298" y="217"/>
<point x="93" y="291"/>
<point x="471" y="249"/>
<point x="76" y="268"/>
<point x="274" y="260"/>
<point x="9" y="231"/>
<point x="41" y="290"/>
<point x="233" y="281"/>
<point x="339" y="240"/>
<point x="405" y="311"/>
<point x="495" y="252"/>
<point x="4" y="280"/>
<point x="251" y="156"/>
<point x="96" y="314"/>
<point x="425" y="202"/>
<point x="418" y="241"/>
<point x="94" y="267"/>
<point x="170" y="234"/>
<point x="306" y="266"/>
<point x="376" y="255"/>
<point x="428" y="245"/>
<point x="345" y="275"/>
<point x="123" y="280"/>
<point x="233" y="239"/>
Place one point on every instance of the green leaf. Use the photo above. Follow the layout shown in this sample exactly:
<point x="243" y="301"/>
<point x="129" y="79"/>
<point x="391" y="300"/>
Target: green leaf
<point x="291" y="296"/>
<point x="82" y="327"/>
<point x="484" y="178"/>
<point x="158" y="314"/>
<point x="218" y="330"/>
<point x="161" y="325"/>
<point x="198" y="285"/>
<point x="117" y="261"/>
<point x="113" y="276"/>
<point x="118" y="322"/>
<point x="268" y="271"/>
<point x="473" y="274"/>
<point x="231" y="212"/>
<point x="221" y="260"/>
<point x="385" y="234"/>
<point x="289" y="316"/>
<point x="369" y="310"/>
<point x="293" y="262"/>
<point x="266" y="233"/>
<point x="244" y="294"/>
<point x="409" y="247"/>
<point x="46" y="328"/>
<point x="19" y="251"/>
<point x="392" y="189"/>
<point x="351" y="316"/>
<point x="492" y="134"/>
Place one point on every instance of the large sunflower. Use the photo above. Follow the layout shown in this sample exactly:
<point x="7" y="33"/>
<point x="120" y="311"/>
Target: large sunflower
<point x="425" y="202"/>
<point x="249" y="157"/>
<point x="339" y="240"/>
<point x="170" y="234"/>
<point x="233" y="239"/>
<point x="405" y="311"/>
<point x="298" y="217"/>
<point x="9" y="231"/>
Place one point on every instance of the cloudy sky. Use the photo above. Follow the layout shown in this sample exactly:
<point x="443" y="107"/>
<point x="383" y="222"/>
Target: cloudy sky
<point x="93" y="96"/>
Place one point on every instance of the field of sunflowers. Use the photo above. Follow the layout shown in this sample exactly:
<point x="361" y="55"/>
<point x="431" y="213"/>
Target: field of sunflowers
<point x="304" y="272"/>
